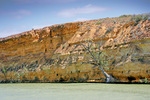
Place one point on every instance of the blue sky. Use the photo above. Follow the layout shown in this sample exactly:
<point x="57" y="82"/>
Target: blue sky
<point x="17" y="16"/>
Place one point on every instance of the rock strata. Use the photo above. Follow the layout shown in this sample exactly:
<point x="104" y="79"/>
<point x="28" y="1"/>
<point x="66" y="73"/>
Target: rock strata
<point x="53" y="54"/>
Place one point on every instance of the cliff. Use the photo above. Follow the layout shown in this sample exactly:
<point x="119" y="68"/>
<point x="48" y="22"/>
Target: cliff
<point x="53" y="54"/>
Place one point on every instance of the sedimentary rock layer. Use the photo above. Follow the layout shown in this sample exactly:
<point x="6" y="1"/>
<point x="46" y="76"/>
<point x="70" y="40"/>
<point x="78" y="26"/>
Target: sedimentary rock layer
<point x="53" y="54"/>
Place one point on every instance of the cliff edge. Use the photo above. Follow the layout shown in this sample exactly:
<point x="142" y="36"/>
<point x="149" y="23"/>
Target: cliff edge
<point x="53" y="54"/>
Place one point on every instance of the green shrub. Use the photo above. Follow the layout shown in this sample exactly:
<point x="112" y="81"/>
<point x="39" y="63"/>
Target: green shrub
<point x="4" y="70"/>
<point x="146" y="17"/>
<point x="106" y="68"/>
<point x="122" y="16"/>
<point x="140" y="81"/>
<point x="109" y="30"/>
<point x="80" y="80"/>
<point x="141" y="59"/>
<point x="137" y="19"/>
<point x="63" y="47"/>
<point x="145" y="80"/>
<point x="98" y="23"/>
<point x="36" y="79"/>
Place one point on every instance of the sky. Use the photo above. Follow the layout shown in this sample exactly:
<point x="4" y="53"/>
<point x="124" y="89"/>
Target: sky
<point x="18" y="16"/>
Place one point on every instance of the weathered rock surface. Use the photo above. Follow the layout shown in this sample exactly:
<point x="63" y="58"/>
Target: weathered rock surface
<point x="53" y="54"/>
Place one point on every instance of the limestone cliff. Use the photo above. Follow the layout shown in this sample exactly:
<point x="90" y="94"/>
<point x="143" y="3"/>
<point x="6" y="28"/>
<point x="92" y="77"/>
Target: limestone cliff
<point x="53" y="54"/>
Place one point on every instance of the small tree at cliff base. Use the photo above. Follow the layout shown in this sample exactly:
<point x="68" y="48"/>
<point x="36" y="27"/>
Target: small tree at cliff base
<point x="98" y="57"/>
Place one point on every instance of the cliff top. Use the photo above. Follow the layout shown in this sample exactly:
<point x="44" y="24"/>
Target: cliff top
<point x="104" y="21"/>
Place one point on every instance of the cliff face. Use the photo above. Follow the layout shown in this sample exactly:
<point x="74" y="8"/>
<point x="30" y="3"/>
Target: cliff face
<point x="53" y="54"/>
